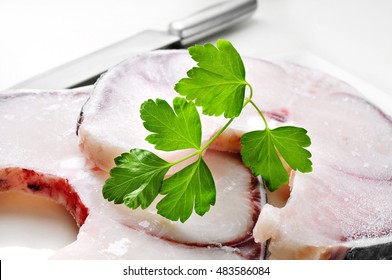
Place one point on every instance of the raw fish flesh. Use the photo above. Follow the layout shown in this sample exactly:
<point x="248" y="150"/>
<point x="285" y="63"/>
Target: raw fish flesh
<point x="110" y="122"/>
<point x="343" y="204"/>
<point x="39" y="155"/>
<point x="341" y="210"/>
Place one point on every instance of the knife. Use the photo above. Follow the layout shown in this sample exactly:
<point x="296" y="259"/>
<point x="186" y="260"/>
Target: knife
<point x="181" y="33"/>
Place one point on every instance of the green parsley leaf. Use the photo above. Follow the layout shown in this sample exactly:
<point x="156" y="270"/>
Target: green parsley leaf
<point x="290" y="142"/>
<point x="173" y="129"/>
<point x="136" y="179"/>
<point x="259" y="153"/>
<point x="218" y="83"/>
<point x="191" y="187"/>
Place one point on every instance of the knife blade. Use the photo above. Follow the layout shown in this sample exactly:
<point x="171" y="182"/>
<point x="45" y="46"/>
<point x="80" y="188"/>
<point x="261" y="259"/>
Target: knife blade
<point x="181" y="33"/>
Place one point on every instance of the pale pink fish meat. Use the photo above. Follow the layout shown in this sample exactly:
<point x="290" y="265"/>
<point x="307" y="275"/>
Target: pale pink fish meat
<point x="116" y="241"/>
<point x="345" y="202"/>
<point x="340" y="210"/>
<point x="346" y="212"/>
<point x="110" y="121"/>
<point x="39" y="154"/>
<point x="351" y="141"/>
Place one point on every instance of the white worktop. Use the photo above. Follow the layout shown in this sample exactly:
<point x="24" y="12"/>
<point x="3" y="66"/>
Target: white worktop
<point x="355" y="35"/>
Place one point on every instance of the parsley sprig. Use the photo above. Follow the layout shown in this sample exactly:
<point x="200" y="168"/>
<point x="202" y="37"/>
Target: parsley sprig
<point x="218" y="85"/>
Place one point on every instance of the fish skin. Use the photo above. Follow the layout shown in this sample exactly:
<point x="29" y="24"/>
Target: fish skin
<point x="375" y="252"/>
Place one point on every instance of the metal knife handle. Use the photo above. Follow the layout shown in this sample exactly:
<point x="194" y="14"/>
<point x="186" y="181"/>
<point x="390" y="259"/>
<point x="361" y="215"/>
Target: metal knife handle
<point x="211" y="20"/>
<point x="85" y="70"/>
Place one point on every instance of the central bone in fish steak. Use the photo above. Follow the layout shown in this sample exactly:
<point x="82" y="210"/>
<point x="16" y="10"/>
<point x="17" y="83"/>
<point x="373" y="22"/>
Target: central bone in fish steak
<point x="344" y="203"/>
<point x="39" y="155"/>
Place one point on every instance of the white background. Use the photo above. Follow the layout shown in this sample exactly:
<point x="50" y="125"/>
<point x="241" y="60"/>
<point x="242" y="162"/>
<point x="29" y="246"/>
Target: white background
<point x="355" y="35"/>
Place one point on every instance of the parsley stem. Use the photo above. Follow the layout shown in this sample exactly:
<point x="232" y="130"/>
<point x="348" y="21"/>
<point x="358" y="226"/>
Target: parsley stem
<point x="249" y="100"/>
<point x="185" y="158"/>
<point x="216" y="135"/>
<point x="202" y="149"/>
<point x="260" y="113"/>
<point x="251" y="91"/>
